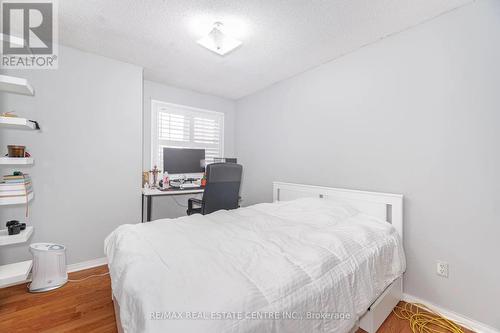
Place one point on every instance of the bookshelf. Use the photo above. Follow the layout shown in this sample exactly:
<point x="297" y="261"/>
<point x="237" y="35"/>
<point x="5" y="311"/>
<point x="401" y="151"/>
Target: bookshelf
<point x="18" y="272"/>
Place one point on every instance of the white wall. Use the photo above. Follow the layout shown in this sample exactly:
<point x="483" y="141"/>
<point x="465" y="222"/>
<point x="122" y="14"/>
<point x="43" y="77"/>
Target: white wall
<point x="418" y="114"/>
<point x="87" y="172"/>
<point x="170" y="206"/>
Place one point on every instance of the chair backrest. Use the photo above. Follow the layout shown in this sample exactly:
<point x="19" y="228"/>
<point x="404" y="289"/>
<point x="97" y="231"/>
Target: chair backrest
<point x="223" y="187"/>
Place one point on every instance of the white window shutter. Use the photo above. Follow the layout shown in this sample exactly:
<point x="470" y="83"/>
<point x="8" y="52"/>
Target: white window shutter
<point x="173" y="127"/>
<point x="185" y="127"/>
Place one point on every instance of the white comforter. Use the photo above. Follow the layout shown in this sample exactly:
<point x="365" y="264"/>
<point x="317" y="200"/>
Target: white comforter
<point x="307" y="265"/>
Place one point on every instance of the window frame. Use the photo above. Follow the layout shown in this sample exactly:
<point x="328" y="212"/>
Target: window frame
<point x="155" y="141"/>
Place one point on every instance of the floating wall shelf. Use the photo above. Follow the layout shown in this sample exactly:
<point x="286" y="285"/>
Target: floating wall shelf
<point x="16" y="161"/>
<point x="14" y="273"/>
<point x="6" y="239"/>
<point x="16" y="85"/>
<point x="16" y="123"/>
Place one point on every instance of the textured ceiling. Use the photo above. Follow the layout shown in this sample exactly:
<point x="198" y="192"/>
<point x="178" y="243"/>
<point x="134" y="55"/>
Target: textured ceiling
<point x="281" y="38"/>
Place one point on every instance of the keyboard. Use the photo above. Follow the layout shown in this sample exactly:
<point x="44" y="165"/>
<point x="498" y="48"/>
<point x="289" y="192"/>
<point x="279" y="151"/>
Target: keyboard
<point x="189" y="185"/>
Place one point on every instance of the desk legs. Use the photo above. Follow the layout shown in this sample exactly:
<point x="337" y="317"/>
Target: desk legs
<point x="149" y="207"/>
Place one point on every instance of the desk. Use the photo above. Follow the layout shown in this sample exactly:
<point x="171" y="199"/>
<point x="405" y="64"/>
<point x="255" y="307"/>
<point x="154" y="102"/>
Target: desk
<point x="150" y="193"/>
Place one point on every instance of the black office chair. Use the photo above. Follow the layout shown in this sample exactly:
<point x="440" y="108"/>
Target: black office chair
<point x="222" y="189"/>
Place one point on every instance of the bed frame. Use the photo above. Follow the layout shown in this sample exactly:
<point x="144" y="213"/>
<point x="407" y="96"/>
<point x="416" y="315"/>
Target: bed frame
<point x="386" y="206"/>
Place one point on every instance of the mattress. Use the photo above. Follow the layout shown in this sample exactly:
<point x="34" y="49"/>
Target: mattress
<point x="308" y="265"/>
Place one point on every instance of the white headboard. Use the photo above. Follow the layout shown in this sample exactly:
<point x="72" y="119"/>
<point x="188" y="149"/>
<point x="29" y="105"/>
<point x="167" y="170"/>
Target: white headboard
<point x="386" y="206"/>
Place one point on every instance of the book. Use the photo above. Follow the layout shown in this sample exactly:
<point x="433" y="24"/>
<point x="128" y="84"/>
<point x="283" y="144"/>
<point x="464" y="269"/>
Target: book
<point x="14" y="194"/>
<point x="10" y="179"/>
<point x="21" y="199"/>
<point x="10" y="189"/>
<point x="16" y="177"/>
<point x="17" y="181"/>
<point x="14" y="185"/>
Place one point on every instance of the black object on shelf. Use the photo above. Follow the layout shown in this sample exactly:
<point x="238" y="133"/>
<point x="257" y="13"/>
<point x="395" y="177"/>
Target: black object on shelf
<point x="14" y="227"/>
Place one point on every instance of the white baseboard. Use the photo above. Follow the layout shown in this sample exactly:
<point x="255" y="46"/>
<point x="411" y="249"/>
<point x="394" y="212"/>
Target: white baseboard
<point x="458" y="318"/>
<point x="80" y="266"/>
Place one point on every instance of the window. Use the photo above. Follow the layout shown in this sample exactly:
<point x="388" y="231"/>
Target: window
<point x="177" y="126"/>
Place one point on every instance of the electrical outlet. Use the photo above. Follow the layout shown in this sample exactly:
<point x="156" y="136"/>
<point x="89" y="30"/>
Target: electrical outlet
<point x="442" y="269"/>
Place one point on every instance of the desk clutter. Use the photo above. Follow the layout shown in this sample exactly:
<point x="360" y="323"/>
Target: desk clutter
<point x="187" y="170"/>
<point x="219" y="184"/>
<point x="150" y="181"/>
<point x="184" y="168"/>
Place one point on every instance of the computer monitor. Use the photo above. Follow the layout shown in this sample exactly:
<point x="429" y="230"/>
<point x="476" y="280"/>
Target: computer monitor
<point x="183" y="160"/>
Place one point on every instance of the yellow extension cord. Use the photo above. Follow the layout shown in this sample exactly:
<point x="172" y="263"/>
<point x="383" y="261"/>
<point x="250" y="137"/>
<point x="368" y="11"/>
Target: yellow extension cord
<point x="424" y="320"/>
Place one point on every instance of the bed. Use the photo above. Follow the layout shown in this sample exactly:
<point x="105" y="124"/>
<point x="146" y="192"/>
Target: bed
<point x="317" y="259"/>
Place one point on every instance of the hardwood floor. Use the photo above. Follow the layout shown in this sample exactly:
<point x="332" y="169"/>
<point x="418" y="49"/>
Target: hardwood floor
<point x="77" y="307"/>
<point x="83" y="307"/>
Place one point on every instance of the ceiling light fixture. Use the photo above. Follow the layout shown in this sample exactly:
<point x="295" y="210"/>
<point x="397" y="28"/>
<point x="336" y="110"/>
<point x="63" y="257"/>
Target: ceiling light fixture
<point x="219" y="42"/>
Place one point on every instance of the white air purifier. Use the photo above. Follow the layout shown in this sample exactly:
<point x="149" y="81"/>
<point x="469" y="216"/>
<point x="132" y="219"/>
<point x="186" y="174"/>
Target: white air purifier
<point x="49" y="267"/>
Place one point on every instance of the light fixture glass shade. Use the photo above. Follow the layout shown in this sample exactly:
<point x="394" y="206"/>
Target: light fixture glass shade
<point x="218" y="42"/>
